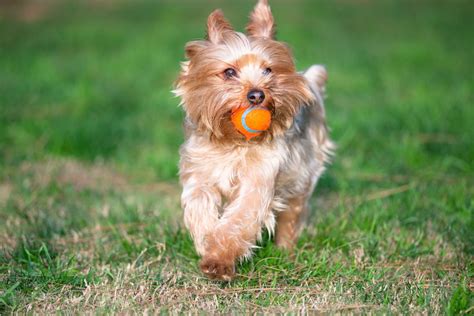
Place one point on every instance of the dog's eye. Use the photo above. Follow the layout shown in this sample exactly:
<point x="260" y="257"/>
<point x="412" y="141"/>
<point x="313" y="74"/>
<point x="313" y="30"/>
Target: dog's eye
<point x="267" y="71"/>
<point x="230" y="73"/>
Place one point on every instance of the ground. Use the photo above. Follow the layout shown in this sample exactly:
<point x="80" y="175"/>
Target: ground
<point x="89" y="137"/>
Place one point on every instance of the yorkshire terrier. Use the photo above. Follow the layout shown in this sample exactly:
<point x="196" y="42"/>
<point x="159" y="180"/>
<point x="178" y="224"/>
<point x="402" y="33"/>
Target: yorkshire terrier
<point x="233" y="187"/>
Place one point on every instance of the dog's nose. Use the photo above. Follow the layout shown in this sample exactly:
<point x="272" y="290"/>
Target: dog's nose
<point x="255" y="96"/>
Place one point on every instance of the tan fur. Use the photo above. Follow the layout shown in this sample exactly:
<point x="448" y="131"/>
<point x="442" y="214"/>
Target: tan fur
<point x="232" y="187"/>
<point x="261" y="21"/>
<point x="290" y="222"/>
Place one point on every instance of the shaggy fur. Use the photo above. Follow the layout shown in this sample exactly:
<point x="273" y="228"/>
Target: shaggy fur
<point x="232" y="187"/>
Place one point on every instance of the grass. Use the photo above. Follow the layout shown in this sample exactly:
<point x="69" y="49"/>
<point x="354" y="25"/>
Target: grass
<point x="89" y="137"/>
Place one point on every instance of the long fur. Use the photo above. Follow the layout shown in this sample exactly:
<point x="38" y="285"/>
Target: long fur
<point x="232" y="187"/>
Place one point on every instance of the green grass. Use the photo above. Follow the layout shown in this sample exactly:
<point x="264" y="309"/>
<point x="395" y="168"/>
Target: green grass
<point x="89" y="137"/>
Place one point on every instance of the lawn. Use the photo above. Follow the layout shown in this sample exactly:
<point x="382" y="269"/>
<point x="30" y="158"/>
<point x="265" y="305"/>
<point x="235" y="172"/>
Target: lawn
<point x="89" y="135"/>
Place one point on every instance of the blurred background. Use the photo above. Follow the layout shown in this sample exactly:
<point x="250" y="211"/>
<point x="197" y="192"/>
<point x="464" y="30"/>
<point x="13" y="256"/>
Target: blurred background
<point x="90" y="132"/>
<point x="92" y="79"/>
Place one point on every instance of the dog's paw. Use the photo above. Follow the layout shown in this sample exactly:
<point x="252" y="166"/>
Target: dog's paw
<point x="217" y="269"/>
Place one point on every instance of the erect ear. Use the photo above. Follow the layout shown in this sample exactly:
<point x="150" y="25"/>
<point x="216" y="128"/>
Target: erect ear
<point x="261" y="21"/>
<point x="217" y="25"/>
<point x="194" y="47"/>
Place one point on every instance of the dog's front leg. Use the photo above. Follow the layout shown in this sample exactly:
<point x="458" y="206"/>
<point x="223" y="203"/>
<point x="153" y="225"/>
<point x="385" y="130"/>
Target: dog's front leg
<point x="240" y="226"/>
<point x="201" y="204"/>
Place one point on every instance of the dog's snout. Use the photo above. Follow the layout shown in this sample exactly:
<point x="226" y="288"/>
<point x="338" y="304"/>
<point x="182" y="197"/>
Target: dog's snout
<point x="256" y="96"/>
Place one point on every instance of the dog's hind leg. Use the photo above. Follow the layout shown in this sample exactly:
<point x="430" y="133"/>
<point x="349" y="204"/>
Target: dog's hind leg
<point x="290" y="222"/>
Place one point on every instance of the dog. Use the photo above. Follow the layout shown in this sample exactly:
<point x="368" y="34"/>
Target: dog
<point x="234" y="187"/>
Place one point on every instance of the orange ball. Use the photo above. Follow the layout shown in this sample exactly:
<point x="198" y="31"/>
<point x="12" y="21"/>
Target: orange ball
<point x="251" y="121"/>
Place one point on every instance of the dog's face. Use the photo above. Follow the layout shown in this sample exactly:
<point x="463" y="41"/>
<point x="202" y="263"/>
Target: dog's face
<point x="230" y="70"/>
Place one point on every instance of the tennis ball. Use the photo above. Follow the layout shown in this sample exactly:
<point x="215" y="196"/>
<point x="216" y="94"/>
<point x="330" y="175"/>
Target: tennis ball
<point x="251" y="121"/>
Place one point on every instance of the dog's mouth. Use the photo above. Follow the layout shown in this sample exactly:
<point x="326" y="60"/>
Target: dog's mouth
<point x="267" y="105"/>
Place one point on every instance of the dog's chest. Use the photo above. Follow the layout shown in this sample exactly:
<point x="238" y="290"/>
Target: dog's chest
<point x="225" y="174"/>
<point x="227" y="168"/>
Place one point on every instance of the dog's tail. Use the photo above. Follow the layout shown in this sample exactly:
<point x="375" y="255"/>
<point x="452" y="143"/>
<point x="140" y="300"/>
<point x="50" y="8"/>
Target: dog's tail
<point x="317" y="77"/>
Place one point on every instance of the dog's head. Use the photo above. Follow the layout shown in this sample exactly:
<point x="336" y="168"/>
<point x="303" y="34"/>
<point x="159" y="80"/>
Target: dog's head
<point x="231" y="69"/>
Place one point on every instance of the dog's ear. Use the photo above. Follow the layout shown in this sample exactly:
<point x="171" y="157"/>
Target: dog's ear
<point x="194" y="47"/>
<point x="217" y="25"/>
<point x="261" y="21"/>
